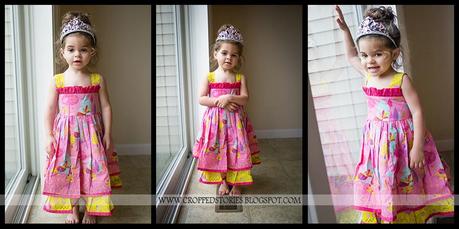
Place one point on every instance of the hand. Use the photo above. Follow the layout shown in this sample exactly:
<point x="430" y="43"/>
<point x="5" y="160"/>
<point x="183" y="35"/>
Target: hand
<point x="417" y="160"/>
<point x="340" y="20"/>
<point x="231" y="107"/>
<point x="107" y="140"/>
<point x="222" y="101"/>
<point x="51" y="144"/>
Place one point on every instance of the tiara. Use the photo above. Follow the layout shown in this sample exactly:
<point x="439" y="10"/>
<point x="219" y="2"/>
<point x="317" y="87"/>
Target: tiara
<point x="370" y="26"/>
<point x="76" y="25"/>
<point x="231" y="34"/>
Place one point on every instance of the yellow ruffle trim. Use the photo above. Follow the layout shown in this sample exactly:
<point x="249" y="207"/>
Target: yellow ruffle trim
<point x="58" y="204"/>
<point x="101" y="205"/>
<point x="59" y="80"/>
<point x="95" y="79"/>
<point x="211" y="77"/>
<point x="419" y="216"/>
<point x="232" y="177"/>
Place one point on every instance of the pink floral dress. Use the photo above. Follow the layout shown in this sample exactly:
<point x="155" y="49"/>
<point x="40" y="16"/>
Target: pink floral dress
<point x="227" y="143"/>
<point x="80" y="166"/>
<point x="384" y="185"/>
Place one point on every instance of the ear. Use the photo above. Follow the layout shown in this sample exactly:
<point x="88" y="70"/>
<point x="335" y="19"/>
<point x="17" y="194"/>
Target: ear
<point x="395" y="53"/>
<point x="215" y="54"/>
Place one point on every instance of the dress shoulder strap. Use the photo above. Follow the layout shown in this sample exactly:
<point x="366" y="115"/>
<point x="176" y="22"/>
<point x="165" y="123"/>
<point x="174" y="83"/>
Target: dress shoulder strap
<point x="95" y="79"/>
<point x="397" y="80"/>
<point x="59" y="80"/>
<point x="211" y="77"/>
<point x="367" y="78"/>
<point x="238" y="77"/>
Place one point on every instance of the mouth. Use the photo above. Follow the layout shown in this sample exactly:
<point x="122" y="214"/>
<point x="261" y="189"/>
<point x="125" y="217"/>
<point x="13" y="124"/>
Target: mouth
<point x="373" y="69"/>
<point x="77" y="62"/>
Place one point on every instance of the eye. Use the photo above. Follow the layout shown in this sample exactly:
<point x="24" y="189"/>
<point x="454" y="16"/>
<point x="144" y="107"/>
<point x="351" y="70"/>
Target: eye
<point x="379" y="54"/>
<point x="70" y="50"/>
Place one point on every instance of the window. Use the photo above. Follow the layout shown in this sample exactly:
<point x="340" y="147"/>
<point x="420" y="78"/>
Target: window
<point x="16" y="138"/>
<point x="28" y="56"/>
<point x="12" y="138"/>
<point x="339" y="101"/>
<point x="173" y="144"/>
<point x="168" y="123"/>
<point x="181" y="51"/>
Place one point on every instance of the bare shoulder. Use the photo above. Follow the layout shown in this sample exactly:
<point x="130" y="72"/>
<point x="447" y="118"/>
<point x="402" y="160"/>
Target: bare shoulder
<point x="407" y="76"/>
<point x="407" y="83"/>
<point x="406" y="79"/>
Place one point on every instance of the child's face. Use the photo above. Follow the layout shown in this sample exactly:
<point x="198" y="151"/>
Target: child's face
<point x="77" y="51"/>
<point x="227" y="56"/>
<point x="375" y="57"/>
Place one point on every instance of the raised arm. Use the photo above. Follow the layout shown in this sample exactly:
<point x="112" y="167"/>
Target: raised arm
<point x="352" y="54"/>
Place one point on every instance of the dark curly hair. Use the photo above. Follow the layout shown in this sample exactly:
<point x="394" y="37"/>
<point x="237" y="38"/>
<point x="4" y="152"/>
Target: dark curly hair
<point x="388" y="18"/>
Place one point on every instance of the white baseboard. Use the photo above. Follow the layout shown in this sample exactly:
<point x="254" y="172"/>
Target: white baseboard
<point x="279" y="133"/>
<point x="133" y="149"/>
<point x="445" y="145"/>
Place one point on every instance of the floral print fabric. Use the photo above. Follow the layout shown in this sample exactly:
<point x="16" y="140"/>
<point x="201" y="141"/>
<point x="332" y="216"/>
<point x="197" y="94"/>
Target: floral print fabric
<point x="227" y="142"/>
<point x="79" y="166"/>
<point x="384" y="184"/>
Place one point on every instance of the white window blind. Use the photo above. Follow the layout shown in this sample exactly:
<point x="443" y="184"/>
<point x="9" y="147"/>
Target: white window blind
<point x="168" y="138"/>
<point x="339" y="102"/>
<point x="12" y="148"/>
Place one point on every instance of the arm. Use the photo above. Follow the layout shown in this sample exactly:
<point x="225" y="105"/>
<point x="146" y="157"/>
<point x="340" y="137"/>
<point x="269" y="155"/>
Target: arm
<point x="106" y="114"/>
<point x="412" y="99"/>
<point x="204" y="98"/>
<point x="352" y="55"/>
<point x="50" y="114"/>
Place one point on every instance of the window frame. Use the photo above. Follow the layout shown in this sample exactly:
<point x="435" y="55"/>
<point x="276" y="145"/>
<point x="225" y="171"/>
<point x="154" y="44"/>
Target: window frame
<point x="178" y="173"/>
<point x="33" y="58"/>
<point x="18" y="182"/>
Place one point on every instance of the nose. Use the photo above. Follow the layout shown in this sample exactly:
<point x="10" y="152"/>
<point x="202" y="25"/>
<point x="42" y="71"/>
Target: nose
<point x="371" y="59"/>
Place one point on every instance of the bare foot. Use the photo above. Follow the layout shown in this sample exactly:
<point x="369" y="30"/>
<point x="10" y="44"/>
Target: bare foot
<point x="223" y="190"/>
<point x="88" y="219"/>
<point x="74" y="217"/>
<point x="235" y="191"/>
